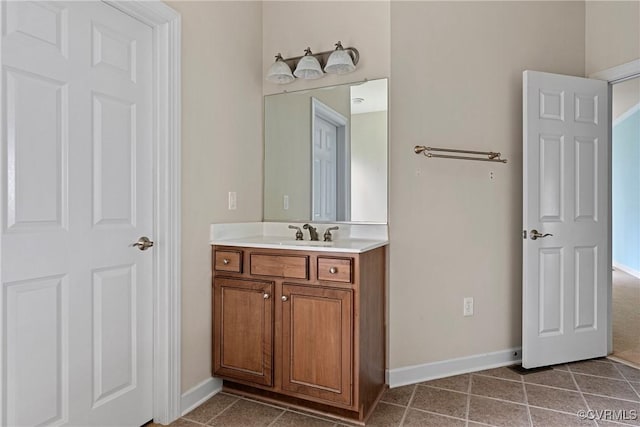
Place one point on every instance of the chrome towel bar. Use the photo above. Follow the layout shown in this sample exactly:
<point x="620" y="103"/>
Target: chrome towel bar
<point x="491" y="155"/>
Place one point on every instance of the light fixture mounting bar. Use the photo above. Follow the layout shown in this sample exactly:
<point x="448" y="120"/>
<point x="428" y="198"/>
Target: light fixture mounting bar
<point x="323" y="56"/>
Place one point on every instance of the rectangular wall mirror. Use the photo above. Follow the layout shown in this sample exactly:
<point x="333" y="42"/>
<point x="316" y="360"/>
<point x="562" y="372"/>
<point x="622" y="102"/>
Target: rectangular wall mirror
<point x="325" y="154"/>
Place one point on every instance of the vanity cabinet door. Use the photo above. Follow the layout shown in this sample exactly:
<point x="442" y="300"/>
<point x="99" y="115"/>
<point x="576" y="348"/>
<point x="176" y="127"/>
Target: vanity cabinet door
<point x="243" y="330"/>
<point x="317" y="342"/>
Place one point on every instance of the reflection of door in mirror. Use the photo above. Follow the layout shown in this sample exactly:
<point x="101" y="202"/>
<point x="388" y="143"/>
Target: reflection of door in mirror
<point x="330" y="174"/>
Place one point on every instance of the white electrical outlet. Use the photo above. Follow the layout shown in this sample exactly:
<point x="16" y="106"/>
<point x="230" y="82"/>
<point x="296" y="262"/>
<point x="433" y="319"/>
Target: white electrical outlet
<point x="468" y="307"/>
<point x="285" y="202"/>
<point x="233" y="200"/>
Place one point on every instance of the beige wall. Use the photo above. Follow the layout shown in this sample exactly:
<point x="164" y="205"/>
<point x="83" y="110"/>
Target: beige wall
<point x="455" y="71"/>
<point x="222" y="81"/>
<point x="369" y="162"/>
<point x="456" y="79"/>
<point x="221" y="151"/>
<point x="289" y="27"/>
<point x="612" y="34"/>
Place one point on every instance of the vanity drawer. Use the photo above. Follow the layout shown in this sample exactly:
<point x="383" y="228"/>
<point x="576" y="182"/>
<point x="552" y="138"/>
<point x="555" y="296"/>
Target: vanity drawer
<point x="228" y="261"/>
<point x="290" y="266"/>
<point x="335" y="269"/>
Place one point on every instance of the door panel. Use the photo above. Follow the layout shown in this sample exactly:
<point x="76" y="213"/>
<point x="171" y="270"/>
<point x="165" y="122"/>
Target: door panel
<point x="114" y="332"/>
<point x="325" y="140"/>
<point x="77" y="191"/>
<point x="114" y="150"/>
<point x="41" y="25"/>
<point x="586" y="287"/>
<point x="37" y="381"/>
<point x="551" y="173"/>
<point x="551" y="292"/>
<point x="113" y="49"/>
<point x="565" y="196"/>
<point x="243" y="330"/>
<point x="36" y="152"/>
<point x="586" y="196"/>
<point x="317" y="342"/>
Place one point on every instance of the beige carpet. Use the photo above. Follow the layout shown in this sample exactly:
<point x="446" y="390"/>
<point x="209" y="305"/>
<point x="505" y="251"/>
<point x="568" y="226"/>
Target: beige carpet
<point x="626" y="317"/>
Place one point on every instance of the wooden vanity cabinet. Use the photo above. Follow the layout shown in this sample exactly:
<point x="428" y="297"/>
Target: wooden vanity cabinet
<point x="317" y="353"/>
<point x="243" y="315"/>
<point x="301" y="327"/>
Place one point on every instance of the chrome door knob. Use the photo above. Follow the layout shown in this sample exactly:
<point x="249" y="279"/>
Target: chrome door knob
<point x="535" y="234"/>
<point x="284" y="298"/>
<point x="266" y="296"/>
<point x="143" y="243"/>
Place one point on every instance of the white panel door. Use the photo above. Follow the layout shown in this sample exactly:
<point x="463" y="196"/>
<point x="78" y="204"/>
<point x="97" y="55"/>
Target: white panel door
<point x="77" y="191"/>
<point x="325" y="172"/>
<point x="565" y="172"/>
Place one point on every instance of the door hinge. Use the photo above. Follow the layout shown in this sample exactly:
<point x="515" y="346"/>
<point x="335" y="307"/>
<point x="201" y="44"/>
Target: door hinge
<point x="524" y="234"/>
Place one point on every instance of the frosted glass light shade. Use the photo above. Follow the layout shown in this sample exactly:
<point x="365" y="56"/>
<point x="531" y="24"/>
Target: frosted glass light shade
<point x="308" y="68"/>
<point x="280" y="73"/>
<point x="339" y="62"/>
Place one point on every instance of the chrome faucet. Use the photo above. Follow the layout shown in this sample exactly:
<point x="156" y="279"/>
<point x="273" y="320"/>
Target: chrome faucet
<point x="327" y="233"/>
<point x="299" y="235"/>
<point x="313" y="233"/>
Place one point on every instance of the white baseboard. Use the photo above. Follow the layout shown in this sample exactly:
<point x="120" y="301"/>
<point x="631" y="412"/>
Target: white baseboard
<point x="445" y="368"/>
<point x="199" y="394"/>
<point x="628" y="270"/>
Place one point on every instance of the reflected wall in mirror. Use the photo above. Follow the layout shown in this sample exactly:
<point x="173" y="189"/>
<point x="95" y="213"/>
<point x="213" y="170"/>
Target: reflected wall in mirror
<point x="326" y="154"/>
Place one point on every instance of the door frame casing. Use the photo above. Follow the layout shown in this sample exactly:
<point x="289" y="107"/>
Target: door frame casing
<point x="165" y="24"/>
<point x="613" y="75"/>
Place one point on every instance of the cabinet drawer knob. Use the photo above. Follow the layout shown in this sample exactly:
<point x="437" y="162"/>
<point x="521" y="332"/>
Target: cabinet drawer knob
<point x="284" y="298"/>
<point x="266" y="296"/>
<point x="333" y="270"/>
<point x="225" y="261"/>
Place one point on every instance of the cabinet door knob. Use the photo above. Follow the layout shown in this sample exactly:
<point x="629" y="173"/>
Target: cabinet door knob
<point x="225" y="261"/>
<point x="266" y="296"/>
<point x="333" y="270"/>
<point x="284" y="298"/>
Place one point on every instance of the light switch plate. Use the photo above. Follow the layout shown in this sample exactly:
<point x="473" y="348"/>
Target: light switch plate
<point x="468" y="307"/>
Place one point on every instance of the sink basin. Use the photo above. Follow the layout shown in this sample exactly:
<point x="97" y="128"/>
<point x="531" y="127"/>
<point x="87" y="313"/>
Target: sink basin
<point x="306" y="243"/>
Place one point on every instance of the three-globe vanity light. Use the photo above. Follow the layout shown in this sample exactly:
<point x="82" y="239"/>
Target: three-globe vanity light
<point x="339" y="61"/>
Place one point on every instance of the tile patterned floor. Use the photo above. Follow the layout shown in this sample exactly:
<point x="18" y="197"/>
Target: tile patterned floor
<point x="495" y="397"/>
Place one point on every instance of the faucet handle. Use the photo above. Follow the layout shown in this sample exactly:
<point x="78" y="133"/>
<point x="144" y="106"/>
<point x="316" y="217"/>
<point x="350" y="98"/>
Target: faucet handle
<point x="299" y="235"/>
<point x="327" y="233"/>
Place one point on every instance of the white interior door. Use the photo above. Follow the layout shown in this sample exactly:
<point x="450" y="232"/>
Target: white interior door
<point x="325" y="172"/>
<point x="565" y="173"/>
<point x="76" y="193"/>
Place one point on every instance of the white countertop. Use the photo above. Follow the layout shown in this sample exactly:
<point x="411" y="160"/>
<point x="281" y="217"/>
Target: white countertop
<point x="353" y="238"/>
